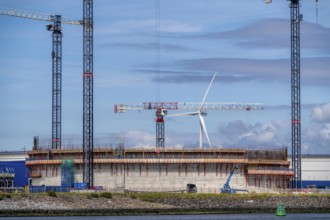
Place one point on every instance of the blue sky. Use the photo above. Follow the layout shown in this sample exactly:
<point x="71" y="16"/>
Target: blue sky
<point x="246" y="42"/>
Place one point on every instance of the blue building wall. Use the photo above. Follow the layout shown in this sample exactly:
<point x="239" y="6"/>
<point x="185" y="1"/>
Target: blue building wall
<point x="319" y="184"/>
<point x="21" y="171"/>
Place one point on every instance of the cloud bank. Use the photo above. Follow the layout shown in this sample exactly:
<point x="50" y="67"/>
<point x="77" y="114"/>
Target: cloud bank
<point x="275" y="133"/>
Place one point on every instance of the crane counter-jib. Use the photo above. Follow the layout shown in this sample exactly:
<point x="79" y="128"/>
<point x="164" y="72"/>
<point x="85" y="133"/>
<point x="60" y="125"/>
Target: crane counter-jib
<point x="121" y="108"/>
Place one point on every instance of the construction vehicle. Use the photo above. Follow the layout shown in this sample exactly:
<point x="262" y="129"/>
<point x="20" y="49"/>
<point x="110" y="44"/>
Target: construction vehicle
<point x="226" y="187"/>
<point x="191" y="188"/>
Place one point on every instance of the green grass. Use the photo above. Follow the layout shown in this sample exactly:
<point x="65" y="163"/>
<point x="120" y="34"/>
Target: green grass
<point x="52" y="193"/>
<point x="93" y="195"/>
<point x="8" y="196"/>
<point x="153" y="197"/>
<point x="107" y="195"/>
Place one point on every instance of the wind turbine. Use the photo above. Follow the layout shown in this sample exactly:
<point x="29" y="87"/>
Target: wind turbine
<point x="200" y="115"/>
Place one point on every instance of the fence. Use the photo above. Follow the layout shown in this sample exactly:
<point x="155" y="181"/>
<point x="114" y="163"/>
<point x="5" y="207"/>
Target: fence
<point x="44" y="189"/>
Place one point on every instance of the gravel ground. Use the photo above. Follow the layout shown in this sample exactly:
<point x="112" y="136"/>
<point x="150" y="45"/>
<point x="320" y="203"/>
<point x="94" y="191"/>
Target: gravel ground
<point x="84" y="204"/>
<point x="74" y="202"/>
<point x="303" y="203"/>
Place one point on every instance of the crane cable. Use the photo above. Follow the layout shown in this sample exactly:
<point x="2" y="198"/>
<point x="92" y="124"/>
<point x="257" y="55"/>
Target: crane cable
<point x="317" y="11"/>
<point x="157" y="48"/>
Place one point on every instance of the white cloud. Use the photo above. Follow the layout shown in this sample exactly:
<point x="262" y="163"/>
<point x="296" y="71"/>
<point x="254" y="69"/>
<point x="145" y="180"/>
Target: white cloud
<point x="178" y="27"/>
<point x="247" y="70"/>
<point x="325" y="132"/>
<point x="265" y="137"/>
<point x="138" y="26"/>
<point x="321" y="113"/>
<point x="316" y="139"/>
<point x="276" y="133"/>
<point x="139" y="139"/>
<point x="274" y="33"/>
<point x="129" y="26"/>
<point x="239" y="134"/>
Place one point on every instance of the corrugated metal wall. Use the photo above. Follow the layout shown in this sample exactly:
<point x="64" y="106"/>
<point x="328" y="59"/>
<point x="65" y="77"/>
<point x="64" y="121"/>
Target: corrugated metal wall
<point x="20" y="170"/>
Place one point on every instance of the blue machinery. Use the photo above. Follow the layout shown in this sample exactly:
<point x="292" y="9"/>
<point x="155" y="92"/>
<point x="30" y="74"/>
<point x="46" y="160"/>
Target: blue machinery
<point x="226" y="187"/>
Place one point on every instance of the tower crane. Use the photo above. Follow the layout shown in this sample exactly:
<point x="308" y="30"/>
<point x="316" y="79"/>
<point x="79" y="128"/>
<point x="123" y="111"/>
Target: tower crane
<point x="199" y="109"/>
<point x="56" y="55"/>
<point x="162" y="108"/>
<point x="296" y="18"/>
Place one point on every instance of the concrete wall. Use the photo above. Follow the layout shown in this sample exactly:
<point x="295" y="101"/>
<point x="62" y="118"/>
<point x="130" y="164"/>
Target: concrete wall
<point x="159" y="177"/>
<point x="153" y="177"/>
<point x="49" y="177"/>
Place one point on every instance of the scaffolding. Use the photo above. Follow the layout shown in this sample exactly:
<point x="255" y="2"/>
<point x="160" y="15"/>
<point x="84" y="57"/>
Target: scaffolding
<point x="268" y="154"/>
<point x="67" y="173"/>
<point x="259" y="168"/>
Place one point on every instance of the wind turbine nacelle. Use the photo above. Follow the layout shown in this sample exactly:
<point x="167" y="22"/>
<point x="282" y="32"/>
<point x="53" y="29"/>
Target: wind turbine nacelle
<point x="161" y="112"/>
<point x="203" y="113"/>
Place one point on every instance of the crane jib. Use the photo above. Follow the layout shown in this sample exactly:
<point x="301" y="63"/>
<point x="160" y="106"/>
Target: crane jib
<point x="37" y="16"/>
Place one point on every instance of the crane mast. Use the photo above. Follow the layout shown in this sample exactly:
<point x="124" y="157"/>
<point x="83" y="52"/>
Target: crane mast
<point x="56" y="56"/>
<point x="56" y="81"/>
<point x="88" y="176"/>
<point x="161" y="109"/>
<point x="296" y="18"/>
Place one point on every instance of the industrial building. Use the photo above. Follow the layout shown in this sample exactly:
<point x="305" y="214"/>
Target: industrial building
<point x="13" y="171"/>
<point x="315" y="171"/>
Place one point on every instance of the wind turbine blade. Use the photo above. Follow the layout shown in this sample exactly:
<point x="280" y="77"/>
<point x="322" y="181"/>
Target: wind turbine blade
<point x="200" y="134"/>
<point x="183" y="114"/>
<point x="207" y="91"/>
<point x="204" y="128"/>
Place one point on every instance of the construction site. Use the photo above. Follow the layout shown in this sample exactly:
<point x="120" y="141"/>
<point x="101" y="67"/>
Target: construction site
<point x="163" y="168"/>
<point x="159" y="170"/>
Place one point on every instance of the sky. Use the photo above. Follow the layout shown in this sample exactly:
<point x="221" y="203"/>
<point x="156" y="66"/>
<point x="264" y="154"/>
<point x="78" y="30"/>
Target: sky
<point x="246" y="42"/>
